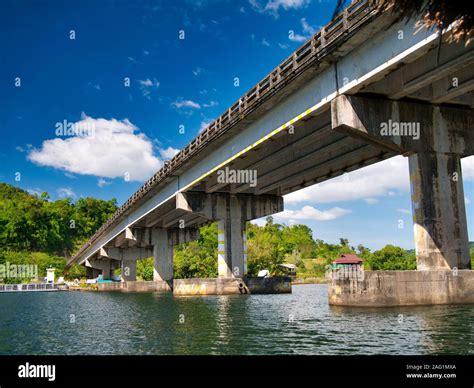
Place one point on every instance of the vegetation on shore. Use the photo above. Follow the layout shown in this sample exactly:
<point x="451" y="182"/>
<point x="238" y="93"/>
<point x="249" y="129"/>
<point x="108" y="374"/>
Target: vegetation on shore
<point x="36" y="230"/>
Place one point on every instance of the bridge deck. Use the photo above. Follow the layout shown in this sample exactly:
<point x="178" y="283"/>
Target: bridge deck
<point x="355" y="53"/>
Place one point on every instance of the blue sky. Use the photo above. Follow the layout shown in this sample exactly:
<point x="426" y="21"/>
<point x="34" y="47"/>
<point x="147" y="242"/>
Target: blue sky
<point x="46" y="77"/>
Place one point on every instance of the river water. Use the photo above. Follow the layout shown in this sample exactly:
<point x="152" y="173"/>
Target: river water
<point x="153" y="323"/>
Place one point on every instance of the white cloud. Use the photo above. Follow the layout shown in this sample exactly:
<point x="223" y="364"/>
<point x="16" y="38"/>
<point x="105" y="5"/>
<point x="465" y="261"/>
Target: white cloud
<point x="386" y="178"/>
<point x="272" y="7"/>
<point x="404" y="211"/>
<point x="114" y="150"/>
<point x="197" y="71"/>
<point x="259" y="221"/>
<point x="265" y="43"/>
<point x="168" y="153"/>
<point x="308" y="32"/>
<point x="467" y="201"/>
<point x="204" y="125"/>
<point x="95" y="86"/>
<point x="299" y="38"/>
<point x="467" y="165"/>
<point x="101" y="182"/>
<point x="311" y="213"/>
<point x="66" y="192"/>
<point x="36" y="191"/>
<point x="147" y="85"/>
<point x="186" y="104"/>
<point x="307" y="27"/>
<point x="148" y="82"/>
<point x="211" y="104"/>
<point x="371" y="201"/>
<point x="366" y="183"/>
<point x="283" y="46"/>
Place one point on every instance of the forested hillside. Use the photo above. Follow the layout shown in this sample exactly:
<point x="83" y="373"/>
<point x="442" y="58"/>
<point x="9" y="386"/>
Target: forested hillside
<point x="36" y="230"/>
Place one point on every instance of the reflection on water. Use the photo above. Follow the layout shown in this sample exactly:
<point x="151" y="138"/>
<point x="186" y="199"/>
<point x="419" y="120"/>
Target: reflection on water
<point x="153" y="323"/>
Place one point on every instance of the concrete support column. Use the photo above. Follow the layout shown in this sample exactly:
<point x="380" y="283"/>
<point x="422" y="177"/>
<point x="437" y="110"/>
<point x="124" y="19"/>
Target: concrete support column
<point x="92" y="273"/>
<point x="106" y="270"/>
<point x="163" y="255"/>
<point x="231" y="239"/>
<point x="129" y="270"/>
<point x="435" y="137"/>
<point x="231" y="212"/>
<point x="441" y="238"/>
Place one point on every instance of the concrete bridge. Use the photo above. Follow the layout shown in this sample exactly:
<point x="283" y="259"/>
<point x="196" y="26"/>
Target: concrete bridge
<point x="361" y="90"/>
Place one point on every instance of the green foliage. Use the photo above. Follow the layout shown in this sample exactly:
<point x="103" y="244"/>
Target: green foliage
<point x="75" y="271"/>
<point x="36" y="230"/>
<point x="41" y="259"/>
<point x="391" y="258"/>
<point x="32" y="223"/>
<point x="145" y="269"/>
<point x="197" y="259"/>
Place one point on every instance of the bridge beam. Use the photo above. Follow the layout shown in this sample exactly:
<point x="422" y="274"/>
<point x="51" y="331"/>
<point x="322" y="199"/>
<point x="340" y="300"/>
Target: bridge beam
<point x="435" y="138"/>
<point x="104" y="266"/>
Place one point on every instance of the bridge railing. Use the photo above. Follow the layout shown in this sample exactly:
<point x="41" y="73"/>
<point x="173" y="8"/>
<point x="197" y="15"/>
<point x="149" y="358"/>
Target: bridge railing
<point x="294" y="65"/>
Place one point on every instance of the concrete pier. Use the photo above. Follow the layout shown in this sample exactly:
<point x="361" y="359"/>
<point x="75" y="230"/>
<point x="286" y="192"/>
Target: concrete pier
<point x="434" y="138"/>
<point x="232" y="286"/>
<point x="163" y="255"/>
<point x="403" y="288"/>
<point x="439" y="211"/>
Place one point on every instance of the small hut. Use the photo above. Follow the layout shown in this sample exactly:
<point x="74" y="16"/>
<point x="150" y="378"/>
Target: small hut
<point x="347" y="259"/>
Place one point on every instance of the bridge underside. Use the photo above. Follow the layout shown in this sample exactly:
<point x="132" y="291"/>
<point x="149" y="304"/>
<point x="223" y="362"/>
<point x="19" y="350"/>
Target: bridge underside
<point x="432" y="88"/>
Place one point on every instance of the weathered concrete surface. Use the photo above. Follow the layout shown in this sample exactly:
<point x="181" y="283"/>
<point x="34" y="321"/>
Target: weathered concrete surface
<point x="135" y="286"/>
<point x="163" y="255"/>
<point x="274" y="285"/>
<point x="403" y="288"/>
<point x="129" y="270"/>
<point x="201" y="286"/>
<point x="435" y="138"/>
<point x="231" y="212"/>
<point x="439" y="211"/>
<point x="229" y="286"/>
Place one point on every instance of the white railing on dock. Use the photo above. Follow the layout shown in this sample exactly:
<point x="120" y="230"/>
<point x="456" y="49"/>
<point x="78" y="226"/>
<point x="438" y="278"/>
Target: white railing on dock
<point x="28" y="287"/>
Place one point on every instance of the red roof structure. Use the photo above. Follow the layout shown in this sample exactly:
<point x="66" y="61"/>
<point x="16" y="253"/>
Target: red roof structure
<point x="348" y="258"/>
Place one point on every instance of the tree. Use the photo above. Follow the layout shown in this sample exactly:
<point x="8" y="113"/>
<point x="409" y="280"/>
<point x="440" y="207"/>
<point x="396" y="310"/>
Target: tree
<point x="197" y="258"/>
<point x="391" y="257"/>
<point x="32" y="223"/>
<point x="434" y="13"/>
